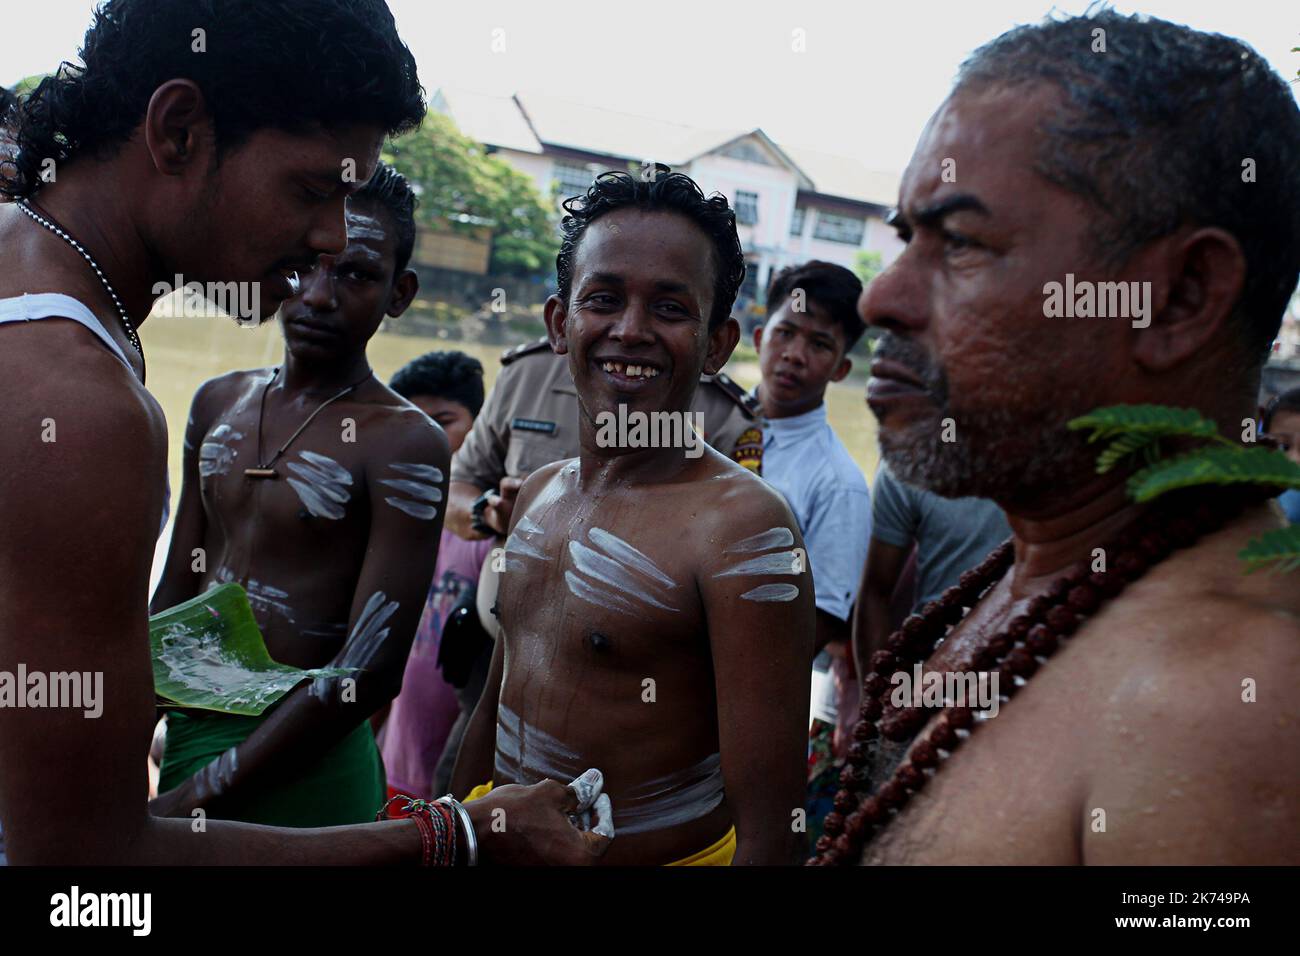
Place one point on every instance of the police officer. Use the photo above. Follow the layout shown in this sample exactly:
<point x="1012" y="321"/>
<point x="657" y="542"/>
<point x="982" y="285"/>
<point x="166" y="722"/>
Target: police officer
<point x="530" y="419"/>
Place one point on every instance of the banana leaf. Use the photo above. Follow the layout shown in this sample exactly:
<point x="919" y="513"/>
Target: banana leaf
<point x="208" y="654"/>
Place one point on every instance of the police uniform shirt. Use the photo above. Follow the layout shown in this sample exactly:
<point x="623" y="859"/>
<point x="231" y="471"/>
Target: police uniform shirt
<point x="805" y="460"/>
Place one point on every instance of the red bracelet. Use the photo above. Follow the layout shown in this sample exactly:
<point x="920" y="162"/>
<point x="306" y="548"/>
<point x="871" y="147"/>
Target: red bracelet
<point x="437" y="825"/>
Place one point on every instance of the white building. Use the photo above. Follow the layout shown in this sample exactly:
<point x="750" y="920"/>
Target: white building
<point x="791" y="205"/>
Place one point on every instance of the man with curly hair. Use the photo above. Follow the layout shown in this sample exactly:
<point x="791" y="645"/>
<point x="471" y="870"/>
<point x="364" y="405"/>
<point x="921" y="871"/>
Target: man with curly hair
<point x="655" y="605"/>
<point x="219" y="141"/>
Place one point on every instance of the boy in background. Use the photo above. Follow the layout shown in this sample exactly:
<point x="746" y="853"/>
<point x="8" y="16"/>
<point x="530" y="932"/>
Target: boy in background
<point x="428" y="716"/>
<point x="812" y="324"/>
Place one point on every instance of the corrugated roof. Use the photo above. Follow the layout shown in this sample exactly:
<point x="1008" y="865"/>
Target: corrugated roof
<point x="526" y="121"/>
<point x="598" y="130"/>
<point x="495" y="120"/>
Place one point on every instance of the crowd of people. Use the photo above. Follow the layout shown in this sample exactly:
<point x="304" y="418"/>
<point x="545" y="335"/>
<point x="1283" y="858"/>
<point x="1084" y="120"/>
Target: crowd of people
<point x="547" y="639"/>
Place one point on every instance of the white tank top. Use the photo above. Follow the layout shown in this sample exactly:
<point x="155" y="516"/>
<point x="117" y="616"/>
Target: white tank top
<point x="32" y="307"/>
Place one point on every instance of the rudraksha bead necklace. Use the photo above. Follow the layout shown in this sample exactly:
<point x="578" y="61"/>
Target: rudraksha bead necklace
<point x="1015" y="654"/>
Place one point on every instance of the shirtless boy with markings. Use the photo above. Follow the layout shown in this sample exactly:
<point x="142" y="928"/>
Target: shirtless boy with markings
<point x="656" y="609"/>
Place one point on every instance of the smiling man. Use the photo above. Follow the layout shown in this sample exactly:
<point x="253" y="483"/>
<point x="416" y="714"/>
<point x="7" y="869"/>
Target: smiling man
<point x="218" y="141"/>
<point x="314" y="457"/>
<point x="655" y="605"/>
<point x="1151" y="716"/>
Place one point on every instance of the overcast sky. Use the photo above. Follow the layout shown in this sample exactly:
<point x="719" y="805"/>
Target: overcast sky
<point x="870" y="75"/>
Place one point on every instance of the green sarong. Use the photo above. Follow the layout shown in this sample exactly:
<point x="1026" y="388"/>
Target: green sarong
<point x="344" y="786"/>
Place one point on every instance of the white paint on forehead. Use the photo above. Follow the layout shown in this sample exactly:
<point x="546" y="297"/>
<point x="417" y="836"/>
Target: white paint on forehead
<point x="362" y="226"/>
<point x="771" y="538"/>
<point x="772" y="592"/>
<point x="778" y="562"/>
<point x="321" y="484"/>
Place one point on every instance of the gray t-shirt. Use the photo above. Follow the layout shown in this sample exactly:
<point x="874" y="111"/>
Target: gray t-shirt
<point x="952" y="535"/>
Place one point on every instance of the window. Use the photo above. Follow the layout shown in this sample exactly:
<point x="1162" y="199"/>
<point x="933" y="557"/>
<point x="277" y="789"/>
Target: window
<point x="837" y="228"/>
<point x="796" y="221"/>
<point x="746" y="208"/>
<point x="572" y="179"/>
<point x="749" y="288"/>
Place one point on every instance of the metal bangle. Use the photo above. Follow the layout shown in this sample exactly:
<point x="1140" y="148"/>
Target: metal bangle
<point x="471" y="838"/>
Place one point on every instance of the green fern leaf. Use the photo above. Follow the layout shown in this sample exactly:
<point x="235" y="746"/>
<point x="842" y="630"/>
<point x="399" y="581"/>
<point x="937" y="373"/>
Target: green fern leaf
<point x="1126" y="445"/>
<point x="1215" y="465"/>
<point x="1279" y="547"/>
<point x="1153" y="420"/>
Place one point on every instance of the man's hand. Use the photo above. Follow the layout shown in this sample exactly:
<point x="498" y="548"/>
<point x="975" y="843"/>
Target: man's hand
<point x="502" y="504"/>
<point x="532" y="826"/>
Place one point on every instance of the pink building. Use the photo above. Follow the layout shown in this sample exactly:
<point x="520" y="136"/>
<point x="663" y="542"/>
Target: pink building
<point x="791" y="204"/>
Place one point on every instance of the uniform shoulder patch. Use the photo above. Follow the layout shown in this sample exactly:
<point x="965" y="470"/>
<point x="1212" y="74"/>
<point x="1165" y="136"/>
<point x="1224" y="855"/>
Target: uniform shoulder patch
<point x="747" y="402"/>
<point x="749" y="450"/>
<point x="528" y="348"/>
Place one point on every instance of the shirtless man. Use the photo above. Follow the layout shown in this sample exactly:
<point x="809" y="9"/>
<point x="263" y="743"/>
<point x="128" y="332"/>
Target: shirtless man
<point x="154" y="178"/>
<point x="1136" y="742"/>
<point x="657" y="617"/>
<point x="363" y="484"/>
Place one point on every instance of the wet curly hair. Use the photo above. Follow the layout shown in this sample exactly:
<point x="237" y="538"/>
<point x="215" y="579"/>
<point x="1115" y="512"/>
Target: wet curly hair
<point x="294" y="65"/>
<point x="665" y="191"/>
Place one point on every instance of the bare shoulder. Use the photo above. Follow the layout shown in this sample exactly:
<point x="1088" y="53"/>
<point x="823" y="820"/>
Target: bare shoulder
<point x="1196" y="740"/>
<point x="401" y="431"/>
<point x="539" y="479"/>
<point x="93" y="444"/>
<point x="219" y="393"/>
<point x="734" y="499"/>
<point x="87" y="405"/>
<point x="1204" y="623"/>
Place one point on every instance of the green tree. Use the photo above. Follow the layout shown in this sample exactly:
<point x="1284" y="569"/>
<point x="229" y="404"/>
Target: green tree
<point x="867" y="265"/>
<point x="466" y="187"/>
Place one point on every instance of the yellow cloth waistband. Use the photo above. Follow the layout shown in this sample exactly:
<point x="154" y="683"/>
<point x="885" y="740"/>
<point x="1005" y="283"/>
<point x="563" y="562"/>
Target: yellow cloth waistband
<point x="719" y="854"/>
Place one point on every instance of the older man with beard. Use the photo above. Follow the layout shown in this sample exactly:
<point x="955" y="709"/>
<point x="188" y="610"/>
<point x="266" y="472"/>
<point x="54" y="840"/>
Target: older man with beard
<point x="1134" y="742"/>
